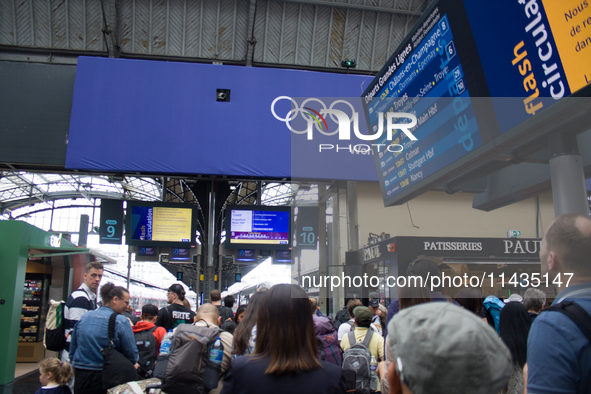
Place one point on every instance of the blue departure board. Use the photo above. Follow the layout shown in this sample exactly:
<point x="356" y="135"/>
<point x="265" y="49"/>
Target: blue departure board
<point x="425" y="78"/>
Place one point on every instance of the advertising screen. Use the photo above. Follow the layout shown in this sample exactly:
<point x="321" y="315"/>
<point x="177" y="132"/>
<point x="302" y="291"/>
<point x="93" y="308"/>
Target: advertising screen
<point x="258" y="227"/>
<point x="160" y="224"/>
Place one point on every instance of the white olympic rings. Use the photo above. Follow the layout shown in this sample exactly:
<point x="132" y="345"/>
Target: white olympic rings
<point x="297" y="110"/>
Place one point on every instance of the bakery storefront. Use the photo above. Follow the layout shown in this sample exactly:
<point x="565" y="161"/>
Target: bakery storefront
<point x="497" y="266"/>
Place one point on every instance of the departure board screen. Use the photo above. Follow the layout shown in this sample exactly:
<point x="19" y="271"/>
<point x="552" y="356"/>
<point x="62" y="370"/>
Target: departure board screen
<point x="427" y="80"/>
<point x="425" y="77"/>
<point x="258" y="227"/>
<point x="152" y="224"/>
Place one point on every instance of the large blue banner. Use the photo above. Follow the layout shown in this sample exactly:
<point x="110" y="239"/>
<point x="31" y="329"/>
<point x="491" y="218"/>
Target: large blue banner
<point x="163" y="117"/>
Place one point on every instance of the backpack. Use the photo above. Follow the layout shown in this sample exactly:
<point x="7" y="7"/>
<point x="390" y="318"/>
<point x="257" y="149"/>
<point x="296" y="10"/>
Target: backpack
<point x="147" y="347"/>
<point x="328" y="340"/>
<point x="188" y="359"/>
<point x="357" y="359"/>
<point x="493" y="306"/>
<point x="55" y="333"/>
<point x="576" y="313"/>
<point x="225" y="312"/>
<point x="341" y="317"/>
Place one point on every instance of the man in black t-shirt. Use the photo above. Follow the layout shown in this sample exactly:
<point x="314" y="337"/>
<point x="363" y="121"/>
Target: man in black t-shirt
<point x="176" y="313"/>
<point x="225" y="311"/>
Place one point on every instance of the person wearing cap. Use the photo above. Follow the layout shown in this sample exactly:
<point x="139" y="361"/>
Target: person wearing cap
<point x="514" y="298"/>
<point x="148" y="318"/>
<point x="363" y="318"/>
<point x="176" y="313"/>
<point x="442" y="348"/>
<point x="374" y="307"/>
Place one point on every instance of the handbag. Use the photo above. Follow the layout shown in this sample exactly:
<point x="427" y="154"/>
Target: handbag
<point x="117" y="369"/>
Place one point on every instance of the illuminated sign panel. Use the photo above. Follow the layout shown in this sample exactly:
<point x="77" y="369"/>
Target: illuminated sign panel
<point x="472" y="73"/>
<point x="540" y="52"/>
<point x="160" y="224"/>
<point x="425" y="77"/>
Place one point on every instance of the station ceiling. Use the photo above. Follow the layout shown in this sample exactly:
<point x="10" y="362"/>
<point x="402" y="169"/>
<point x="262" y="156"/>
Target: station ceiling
<point x="297" y="34"/>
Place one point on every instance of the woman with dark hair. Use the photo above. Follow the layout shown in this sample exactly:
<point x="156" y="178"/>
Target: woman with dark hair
<point x="240" y="312"/>
<point x="471" y="299"/>
<point x="91" y="335"/>
<point x="285" y="359"/>
<point x="245" y="335"/>
<point x="514" y="326"/>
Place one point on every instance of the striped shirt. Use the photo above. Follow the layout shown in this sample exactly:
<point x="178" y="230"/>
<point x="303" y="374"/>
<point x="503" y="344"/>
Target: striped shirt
<point x="79" y="302"/>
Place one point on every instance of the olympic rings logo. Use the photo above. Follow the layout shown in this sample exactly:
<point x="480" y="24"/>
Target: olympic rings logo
<point x="297" y="110"/>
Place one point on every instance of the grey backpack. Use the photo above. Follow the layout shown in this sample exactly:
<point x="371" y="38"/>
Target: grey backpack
<point x="186" y="366"/>
<point x="357" y="358"/>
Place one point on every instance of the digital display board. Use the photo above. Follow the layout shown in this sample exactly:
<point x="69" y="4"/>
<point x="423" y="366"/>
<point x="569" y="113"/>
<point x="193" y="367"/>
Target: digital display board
<point x="160" y="224"/>
<point x="147" y="254"/>
<point x="425" y="77"/>
<point x="282" y="257"/>
<point x="180" y="254"/>
<point x="258" y="227"/>
<point x="147" y="251"/>
<point x="474" y="74"/>
<point x="246" y="255"/>
<point x="541" y="53"/>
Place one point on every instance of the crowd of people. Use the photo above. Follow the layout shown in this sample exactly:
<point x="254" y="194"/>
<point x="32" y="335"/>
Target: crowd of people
<point x="422" y="343"/>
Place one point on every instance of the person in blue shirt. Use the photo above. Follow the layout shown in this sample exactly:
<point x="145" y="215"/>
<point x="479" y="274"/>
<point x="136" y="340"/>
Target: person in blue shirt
<point x="91" y="335"/>
<point x="558" y="352"/>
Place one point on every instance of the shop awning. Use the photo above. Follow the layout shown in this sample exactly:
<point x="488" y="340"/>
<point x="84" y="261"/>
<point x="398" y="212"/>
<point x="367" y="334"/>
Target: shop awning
<point x="38" y="252"/>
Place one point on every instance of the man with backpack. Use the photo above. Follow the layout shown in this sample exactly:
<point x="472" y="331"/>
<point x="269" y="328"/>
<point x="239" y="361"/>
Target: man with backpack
<point x="195" y="364"/>
<point x="176" y="313"/>
<point x="207" y="316"/>
<point x="363" y="350"/>
<point x="225" y="311"/>
<point x="558" y="346"/>
<point x="82" y="300"/>
<point x="148" y="337"/>
<point x="326" y="336"/>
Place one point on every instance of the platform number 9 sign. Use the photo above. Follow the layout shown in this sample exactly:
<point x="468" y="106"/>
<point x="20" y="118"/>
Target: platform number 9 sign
<point x="111" y="228"/>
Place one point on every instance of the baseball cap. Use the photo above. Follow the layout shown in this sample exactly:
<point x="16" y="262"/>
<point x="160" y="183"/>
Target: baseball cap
<point x="178" y="289"/>
<point x="374" y="303"/>
<point x="442" y="348"/>
<point x="150" y="310"/>
<point x="374" y="294"/>
<point x="362" y="315"/>
<point x="514" y="298"/>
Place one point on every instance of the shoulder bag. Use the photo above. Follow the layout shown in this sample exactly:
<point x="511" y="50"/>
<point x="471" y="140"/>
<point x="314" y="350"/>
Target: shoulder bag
<point x="117" y="369"/>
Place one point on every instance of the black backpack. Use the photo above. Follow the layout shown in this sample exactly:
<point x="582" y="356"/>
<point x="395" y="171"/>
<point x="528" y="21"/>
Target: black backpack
<point x="147" y="347"/>
<point x="226" y="313"/>
<point x="341" y="317"/>
<point x="576" y="313"/>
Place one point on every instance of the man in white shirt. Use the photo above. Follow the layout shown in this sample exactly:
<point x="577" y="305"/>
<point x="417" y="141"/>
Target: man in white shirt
<point x="82" y="300"/>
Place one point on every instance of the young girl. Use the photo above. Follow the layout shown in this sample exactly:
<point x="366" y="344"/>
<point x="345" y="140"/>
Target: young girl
<point x="54" y="376"/>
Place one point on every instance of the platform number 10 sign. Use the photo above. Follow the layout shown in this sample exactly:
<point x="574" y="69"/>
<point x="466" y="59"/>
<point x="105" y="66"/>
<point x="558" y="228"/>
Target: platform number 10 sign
<point x="306" y="227"/>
